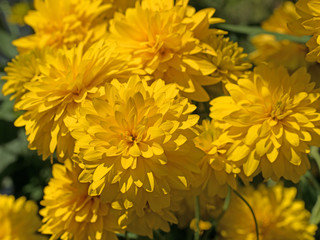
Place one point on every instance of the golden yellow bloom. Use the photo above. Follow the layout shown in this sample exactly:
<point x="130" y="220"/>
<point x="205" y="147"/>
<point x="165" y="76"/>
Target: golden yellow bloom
<point x="278" y="21"/>
<point x="279" y="53"/>
<point x="70" y="213"/>
<point x="165" y="39"/>
<point x="19" y="219"/>
<point x="276" y="118"/>
<point x="64" y="23"/>
<point x="23" y="69"/>
<point x="279" y="216"/>
<point x="218" y="171"/>
<point x="286" y="53"/>
<point x="136" y="140"/>
<point x="229" y="59"/>
<point x="69" y="79"/>
<point x="308" y="24"/>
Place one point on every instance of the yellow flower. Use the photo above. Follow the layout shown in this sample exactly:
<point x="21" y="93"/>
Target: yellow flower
<point x="19" y="219"/>
<point x="21" y="70"/>
<point x="64" y="23"/>
<point x="280" y="18"/>
<point x="70" y="213"/>
<point x="69" y="79"/>
<point x="308" y="24"/>
<point x="279" y="216"/>
<point x="218" y="171"/>
<point x="165" y="38"/>
<point x="314" y="49"/>
<point x="275" y="116"/>
<point x="229" y="60"/>
<point x="136" y="140"/>
<point x="286" y="53"/>
<point x="279" y="53"/>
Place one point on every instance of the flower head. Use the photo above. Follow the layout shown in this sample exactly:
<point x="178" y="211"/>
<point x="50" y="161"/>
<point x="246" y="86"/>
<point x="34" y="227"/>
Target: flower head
<point x="19" y="219"/>
<point x="70" y="213"/>
<point x="308" y="24"/>
<point x="217" y="170"/>
<point x="69" y="79"/>
<point x="276" y="118"/>
<point x="278" y="21"/>
<point x="166" y="42"/>
<point x="229" y="60"/>
<point x="279" y="52"/>
<point x="279" y="216"/>
<point x="64" y="23"/>
<point x="23" y="69"/>
<point x="136" y="140"/>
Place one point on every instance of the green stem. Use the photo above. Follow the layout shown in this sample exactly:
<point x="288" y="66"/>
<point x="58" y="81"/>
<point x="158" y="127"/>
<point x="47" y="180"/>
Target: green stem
<point x="126" y="236"/>
<point x="225" y="204"/>
<point x="197" y="217"/>
<point x="254" y="216"/>
<point x="249" y="30"/>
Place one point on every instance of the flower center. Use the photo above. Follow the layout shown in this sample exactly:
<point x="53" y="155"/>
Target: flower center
<point x="281" y="108"/>
<point x="130" y="137"/>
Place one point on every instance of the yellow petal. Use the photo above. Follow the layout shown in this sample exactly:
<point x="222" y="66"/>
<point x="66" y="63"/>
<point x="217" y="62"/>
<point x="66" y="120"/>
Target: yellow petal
<point x="135" y="150"/>
<point x="272" y="154"/>
<point x="126" y="161"/>
<point x="251" y="165"/>
<point x="292" y="138"/>
<point x="101" y="171"/>
<point x="150" y="185"/>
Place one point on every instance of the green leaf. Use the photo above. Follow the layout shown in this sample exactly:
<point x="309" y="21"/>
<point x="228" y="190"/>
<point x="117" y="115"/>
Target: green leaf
<point x="9" y="151"/>
<point x="6" y="46"/>
<point x="130" y="235"/>
<point x="314" y="154"/>
<point x="7" y="158"/>
<point x="308" y="190"/>
<point x="6" y="107"/>
<point x="315" y="213"/>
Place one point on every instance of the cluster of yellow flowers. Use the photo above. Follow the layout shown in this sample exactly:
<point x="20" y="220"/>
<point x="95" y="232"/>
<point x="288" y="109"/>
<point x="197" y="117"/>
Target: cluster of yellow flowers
<point x="106" y="88"/>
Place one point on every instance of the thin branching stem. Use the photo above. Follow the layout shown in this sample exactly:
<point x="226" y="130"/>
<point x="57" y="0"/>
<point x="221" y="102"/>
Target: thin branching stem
<point x="254" y="216"/>
<point x="252" y="31"/>
<point x="197" y="217"/>
<point x="225" y="204"/>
